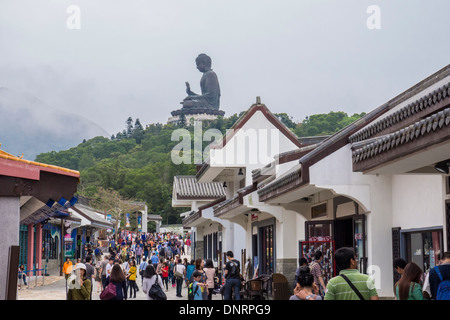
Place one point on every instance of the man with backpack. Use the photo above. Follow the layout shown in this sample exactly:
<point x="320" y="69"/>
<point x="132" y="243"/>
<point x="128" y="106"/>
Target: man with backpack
<point x="233" y="277"/>
<point x="440" y="279"/>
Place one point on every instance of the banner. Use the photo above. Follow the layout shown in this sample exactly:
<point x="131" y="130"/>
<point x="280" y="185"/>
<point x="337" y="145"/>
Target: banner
<point x="128" y="221"/>
<point x="139" y="222"/>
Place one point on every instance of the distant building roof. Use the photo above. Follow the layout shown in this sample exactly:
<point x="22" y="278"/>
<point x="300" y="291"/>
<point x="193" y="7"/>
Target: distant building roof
<point x="187" y="187"/>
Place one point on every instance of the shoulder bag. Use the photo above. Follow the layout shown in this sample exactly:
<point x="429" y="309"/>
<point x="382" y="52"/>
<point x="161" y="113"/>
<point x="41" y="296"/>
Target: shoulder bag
<point x="352" y="286"/>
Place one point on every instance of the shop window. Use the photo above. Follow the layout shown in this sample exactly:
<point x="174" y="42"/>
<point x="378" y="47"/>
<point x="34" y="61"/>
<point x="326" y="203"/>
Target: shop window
<point x="424" y="248"/>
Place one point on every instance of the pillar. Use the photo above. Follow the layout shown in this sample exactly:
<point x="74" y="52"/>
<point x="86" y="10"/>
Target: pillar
<point x="30" y="244"/>
<point x="39" y="247"/>
<point x="9" y="236"/>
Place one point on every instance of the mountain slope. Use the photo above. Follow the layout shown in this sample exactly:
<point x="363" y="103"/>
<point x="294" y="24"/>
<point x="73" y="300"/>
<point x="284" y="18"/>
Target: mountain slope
<point x="29" y="126"/>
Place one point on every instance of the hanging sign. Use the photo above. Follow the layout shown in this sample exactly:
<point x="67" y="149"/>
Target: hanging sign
<point x="128" y="221"/>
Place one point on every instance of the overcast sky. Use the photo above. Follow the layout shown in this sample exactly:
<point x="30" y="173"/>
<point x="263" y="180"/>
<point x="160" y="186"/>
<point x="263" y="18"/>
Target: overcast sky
<point x="132" y="57"/>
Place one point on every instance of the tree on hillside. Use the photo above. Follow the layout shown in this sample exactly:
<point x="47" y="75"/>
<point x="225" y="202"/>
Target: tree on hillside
<point x="129" y="128"/>
<point x="138" y="132"/>
<point x="111" y="202"/>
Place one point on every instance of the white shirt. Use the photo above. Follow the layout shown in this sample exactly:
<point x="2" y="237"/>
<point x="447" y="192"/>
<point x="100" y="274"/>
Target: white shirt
<point x="108" y="269"/>
<point x="180" y="268"/>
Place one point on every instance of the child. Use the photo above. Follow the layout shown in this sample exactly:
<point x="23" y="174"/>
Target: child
<point x="196" y="285"/>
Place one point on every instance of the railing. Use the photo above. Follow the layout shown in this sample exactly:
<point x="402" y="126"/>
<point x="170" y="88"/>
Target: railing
<point x="35" y="271"/>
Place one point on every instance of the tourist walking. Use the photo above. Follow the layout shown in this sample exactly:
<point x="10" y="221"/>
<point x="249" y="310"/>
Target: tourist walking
<point x="232" y="276"/>
<point x="439" y="279"/>
<point x="408" y="287"/>
<point x="98" y="276"/>
<point x="90" y="272"/>
<point x="302" y="262"/>
<point x="150" y="277"/>
<point x="350" y="284"/>
<point x="131" y="275"/>
<point x="316" y="271"/>
<point x="80" y="286"/>
<point x="306" y="288"/>
<point x="165" y="274"/>
<point x="180" y="274"/>
<point x="118" y="279"/>
<point x="67" y="268"/>
<point x="196" y="286"/>
<point x="399" y="265"/>
<point x="199" y="264"/>
<point x="142" y="268"/>
<point x="189" y="271"/>
<point x="104" y="263"/>
<point x="210" y="272"/>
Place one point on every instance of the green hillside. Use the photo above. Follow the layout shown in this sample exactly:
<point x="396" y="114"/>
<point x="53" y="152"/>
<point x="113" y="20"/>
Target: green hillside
<point x="137" y="161"/>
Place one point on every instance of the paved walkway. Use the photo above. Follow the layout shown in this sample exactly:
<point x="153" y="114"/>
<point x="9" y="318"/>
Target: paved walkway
<point x="54" y="288"/>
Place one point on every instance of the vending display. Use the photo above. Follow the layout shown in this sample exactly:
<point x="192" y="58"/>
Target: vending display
<point x="327" y="249"/>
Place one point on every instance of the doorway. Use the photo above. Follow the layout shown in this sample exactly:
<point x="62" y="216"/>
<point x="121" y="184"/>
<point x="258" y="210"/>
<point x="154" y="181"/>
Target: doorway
<point x="343" y="232"/>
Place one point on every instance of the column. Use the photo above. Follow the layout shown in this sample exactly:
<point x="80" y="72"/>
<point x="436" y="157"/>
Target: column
<point x="9" y="236"/>
<point x="39" y="247"/>
<point x="30" y="255"/>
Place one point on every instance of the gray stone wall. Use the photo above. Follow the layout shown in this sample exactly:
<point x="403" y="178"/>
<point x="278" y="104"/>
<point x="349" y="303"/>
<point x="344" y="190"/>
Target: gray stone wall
<point x="287" y="267"/>
<point x="199" y="245"/>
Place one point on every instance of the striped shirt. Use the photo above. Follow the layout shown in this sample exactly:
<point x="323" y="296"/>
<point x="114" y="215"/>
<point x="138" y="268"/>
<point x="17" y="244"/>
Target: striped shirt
<point x="338" y="288"/>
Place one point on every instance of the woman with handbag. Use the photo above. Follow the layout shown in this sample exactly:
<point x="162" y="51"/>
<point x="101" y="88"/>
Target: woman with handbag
<point x="150" y="278"/>
<point x="116" y="285"/>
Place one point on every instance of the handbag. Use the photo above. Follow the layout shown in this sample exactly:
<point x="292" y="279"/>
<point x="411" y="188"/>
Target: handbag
<point x="109" y="292"/>
<point x="156" y="292"/>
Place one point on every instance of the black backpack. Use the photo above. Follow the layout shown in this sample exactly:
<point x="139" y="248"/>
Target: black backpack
<point x="191" y="292"/>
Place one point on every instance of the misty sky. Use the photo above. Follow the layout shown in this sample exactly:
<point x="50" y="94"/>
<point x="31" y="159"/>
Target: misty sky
<point x="132" y="58"/>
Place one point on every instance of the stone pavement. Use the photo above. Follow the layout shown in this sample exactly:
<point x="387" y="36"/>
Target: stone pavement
<point x="54" y="288"/>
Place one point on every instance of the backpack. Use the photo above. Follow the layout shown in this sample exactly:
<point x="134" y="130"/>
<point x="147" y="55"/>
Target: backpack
<point x="161" y="252"/>
<point x="443" y="290"/>
<point x="191" y="292"/>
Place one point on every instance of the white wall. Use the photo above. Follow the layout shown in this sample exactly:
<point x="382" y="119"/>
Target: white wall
<point x="417" y="201"/>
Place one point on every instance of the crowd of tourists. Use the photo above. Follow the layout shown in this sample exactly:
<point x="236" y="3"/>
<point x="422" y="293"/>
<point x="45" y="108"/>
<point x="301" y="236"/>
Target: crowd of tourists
<point x="350" y="284"/>
<point x="160" y="261"/>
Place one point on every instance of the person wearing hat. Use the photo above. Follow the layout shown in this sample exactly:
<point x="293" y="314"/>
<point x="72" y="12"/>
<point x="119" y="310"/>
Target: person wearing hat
<point x="80" y="285"/>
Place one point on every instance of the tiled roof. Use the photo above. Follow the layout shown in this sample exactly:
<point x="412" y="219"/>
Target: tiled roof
<point x="8" y="156"/>
<point x="187" y="187"/>
<point x="420" y="104"/>
<point x="280" y="182"/>
<point x="406" y="135"/>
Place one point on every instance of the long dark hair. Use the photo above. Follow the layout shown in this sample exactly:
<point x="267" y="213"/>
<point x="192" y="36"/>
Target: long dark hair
<point x="117" y="274"/>
<point x="149" y="271"/>
<point x="198" y="264"/>
<point x="209" y="264"/>
<point x="411" y="276"/>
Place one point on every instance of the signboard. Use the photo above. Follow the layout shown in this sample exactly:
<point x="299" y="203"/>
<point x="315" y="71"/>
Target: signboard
<point x="139" y="222"/>
<point x="68" y="246"/>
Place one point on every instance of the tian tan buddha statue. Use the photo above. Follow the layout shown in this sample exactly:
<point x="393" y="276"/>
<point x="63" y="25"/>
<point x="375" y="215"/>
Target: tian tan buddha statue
<point x="209" y="84"/>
